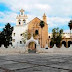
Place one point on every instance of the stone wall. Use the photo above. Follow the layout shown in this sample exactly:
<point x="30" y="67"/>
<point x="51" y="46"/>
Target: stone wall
<point x="22" y="50"/>
<point x="11" y="50"/>
<point x="54" y="50"/>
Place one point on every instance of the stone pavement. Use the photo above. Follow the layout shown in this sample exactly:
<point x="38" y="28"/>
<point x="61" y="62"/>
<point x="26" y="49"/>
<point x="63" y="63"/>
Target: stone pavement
<point x="36" y="63"/>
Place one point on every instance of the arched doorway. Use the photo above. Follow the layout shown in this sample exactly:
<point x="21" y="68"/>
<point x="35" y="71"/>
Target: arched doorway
<point x="69" y="43"/>
<point x="32" y="47"/>
<point x="63" y="42"/>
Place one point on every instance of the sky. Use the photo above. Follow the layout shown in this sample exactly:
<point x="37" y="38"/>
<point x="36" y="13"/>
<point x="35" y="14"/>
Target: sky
<point x="58" y="12"/>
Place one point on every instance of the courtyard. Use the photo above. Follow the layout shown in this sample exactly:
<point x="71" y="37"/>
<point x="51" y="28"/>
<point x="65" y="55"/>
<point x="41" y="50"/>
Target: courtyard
<point x="33" y="62"/>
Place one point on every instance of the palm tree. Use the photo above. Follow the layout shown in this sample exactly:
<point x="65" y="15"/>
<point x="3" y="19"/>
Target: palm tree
<point x="70" y="26"/>
<point x="42" y="24"/>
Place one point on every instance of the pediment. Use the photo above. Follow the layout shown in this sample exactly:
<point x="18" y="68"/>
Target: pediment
<point x="35" y="20"/>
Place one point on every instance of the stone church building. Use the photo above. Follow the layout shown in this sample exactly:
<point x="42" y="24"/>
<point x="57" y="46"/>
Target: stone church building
<point x="43" y="37"/>
<point x="34" y="25"/>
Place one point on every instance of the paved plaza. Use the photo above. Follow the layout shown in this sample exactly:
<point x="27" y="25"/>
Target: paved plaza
<point x="36" y="63"/>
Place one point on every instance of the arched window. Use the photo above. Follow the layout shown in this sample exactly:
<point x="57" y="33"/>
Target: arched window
<point x="19" y="22"/>
<point x="20" y="42"/>
<point x="36" y="32"/>
<point x="24" y="21"/>
<point x="21" y="34"/>
<point x="49" y="36"/>
<point x="21" y="13"/>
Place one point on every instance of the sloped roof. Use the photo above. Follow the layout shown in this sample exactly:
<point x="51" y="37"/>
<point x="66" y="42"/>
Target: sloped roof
<point x="34" y="19"/>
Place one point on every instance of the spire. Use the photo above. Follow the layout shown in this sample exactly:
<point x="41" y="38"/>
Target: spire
<point x="44" y="18"/>
<point x="44" y="15"/>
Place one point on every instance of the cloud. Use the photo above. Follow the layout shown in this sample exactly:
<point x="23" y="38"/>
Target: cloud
<point x="8" y="17"/>
<point x="31" y="5"/>
<point x="44" y="7"/>
<point x="57" y="21"/>
<point x="58" y="12"/>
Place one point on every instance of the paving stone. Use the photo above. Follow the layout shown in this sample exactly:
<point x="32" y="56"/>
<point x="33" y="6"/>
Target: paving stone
<point x="36" y="63"/>
<point x="70" y="71"/>
<point x="1" y="70"/>
<point x="64" y="71"/>
<point x="17" y="66"/>
<point x="7" y="62"/>
<point x="39" y="69"/>
<point x="61" y="66"/>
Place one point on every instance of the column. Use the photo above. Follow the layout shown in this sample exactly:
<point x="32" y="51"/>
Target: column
<point x="21" y="21"/>
<point x="17" y="23"/>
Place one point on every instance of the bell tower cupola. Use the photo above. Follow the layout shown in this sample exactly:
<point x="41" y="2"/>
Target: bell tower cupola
<point x="21" y="12"/>
<point x="21" y="18"/>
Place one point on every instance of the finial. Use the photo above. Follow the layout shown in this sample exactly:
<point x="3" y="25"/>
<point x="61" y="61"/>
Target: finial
<point x="44" y="15"/>
<point x="21" y="10"/>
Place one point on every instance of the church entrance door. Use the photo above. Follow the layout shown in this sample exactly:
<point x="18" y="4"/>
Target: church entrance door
<point x="32" y="47"/>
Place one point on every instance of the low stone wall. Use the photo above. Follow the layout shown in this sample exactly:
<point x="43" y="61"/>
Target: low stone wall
<point x="11" y="50"/>
<point x="55" y="50"/>
<point x="22" y="50"/>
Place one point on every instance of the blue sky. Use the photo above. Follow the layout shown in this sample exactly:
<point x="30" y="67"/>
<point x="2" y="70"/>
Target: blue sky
<point x="58" y="12"/>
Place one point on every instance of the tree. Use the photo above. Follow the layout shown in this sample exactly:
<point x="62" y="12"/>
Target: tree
<point x="42" y="24"/>
<point x="57" y="36"/>
<point x="70" y="26"/>
<point x="26" y="36"/>
<point x="7" y="35"/>
<point x="2" y="38"/>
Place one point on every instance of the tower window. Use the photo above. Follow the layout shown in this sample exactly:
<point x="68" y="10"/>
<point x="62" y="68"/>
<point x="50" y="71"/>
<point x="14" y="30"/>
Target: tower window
<point x="19" y="22"/>
<point x="21" y="13"/>
<point x="24" y="21"/>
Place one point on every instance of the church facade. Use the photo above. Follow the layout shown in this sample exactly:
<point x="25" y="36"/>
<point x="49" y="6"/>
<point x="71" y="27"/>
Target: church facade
<point x="32" y="28"/>
<point x="42" y="36"/>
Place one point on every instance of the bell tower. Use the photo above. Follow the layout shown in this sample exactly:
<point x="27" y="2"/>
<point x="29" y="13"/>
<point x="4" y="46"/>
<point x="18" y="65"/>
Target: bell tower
<point x="44" y="18"/>
<point x="21" y="18"/>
